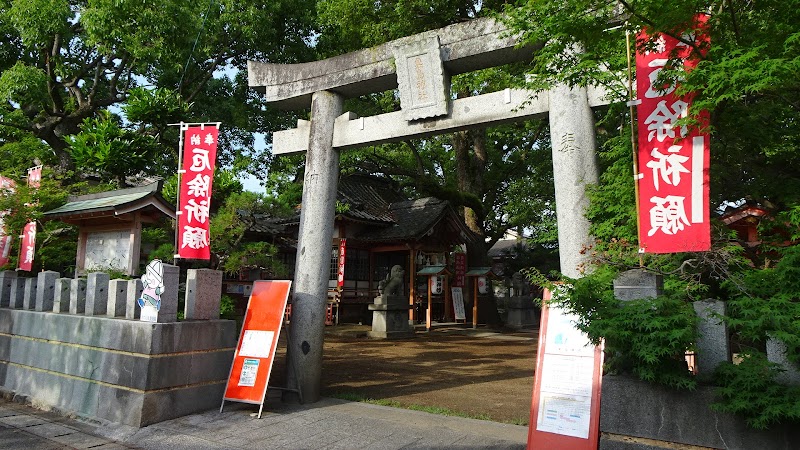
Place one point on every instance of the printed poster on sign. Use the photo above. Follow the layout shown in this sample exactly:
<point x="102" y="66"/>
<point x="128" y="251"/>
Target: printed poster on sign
<point x="673" y="160"/>
<point x="458" y="303"/>
<point x="197" y="176"/>
<point x="249" y="372"/>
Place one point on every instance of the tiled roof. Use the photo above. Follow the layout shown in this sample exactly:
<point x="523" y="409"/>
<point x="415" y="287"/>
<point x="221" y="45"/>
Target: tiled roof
<point x="369" y="198"/>
<point x="413" y="219"/>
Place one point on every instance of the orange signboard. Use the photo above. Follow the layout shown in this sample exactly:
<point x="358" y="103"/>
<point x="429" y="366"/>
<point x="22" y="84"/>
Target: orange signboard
<point x="565" y="410"/>
<point x="252" y="363"/>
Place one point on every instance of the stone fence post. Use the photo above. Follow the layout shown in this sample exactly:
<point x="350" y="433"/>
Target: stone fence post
<point x="45" y="294"/>
<point x="776" y="353"/>
<point x="713" y="345"/>
<point x="203" y="294"/>
<point x="6" y="278"/>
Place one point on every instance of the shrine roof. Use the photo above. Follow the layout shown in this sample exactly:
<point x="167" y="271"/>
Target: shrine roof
<point x="369" y="198"/>
<point x="417" y="219"/>
<point x="114" y="203"/>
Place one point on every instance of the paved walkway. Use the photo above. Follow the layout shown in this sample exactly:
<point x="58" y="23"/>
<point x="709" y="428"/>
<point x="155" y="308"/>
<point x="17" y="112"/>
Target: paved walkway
<point x="327" y="424"/>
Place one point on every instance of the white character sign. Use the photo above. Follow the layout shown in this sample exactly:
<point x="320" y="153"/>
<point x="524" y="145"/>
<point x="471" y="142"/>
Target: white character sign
<point x="153" y="283"/>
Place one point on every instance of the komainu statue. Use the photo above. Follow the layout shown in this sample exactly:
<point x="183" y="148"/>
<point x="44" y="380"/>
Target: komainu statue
<point x="521" y="286"/>
<point x="393" y="283"/>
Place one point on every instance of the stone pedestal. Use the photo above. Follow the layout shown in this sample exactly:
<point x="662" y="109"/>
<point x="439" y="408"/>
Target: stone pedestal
<point x="96" y="294"/>
<point x="61" y="295"/>
<point x="776" y="353"/>
<point x="77" y="296"/>
<point x="713" y="347"/>
<point x="6" y="277"/>
<point x="169" y="299"/>
<point x="29" y="296"/>
<point x="132" y="310"/>
<point x="203" y="292"/>
<point x="17" y="293"/>
<point x="390" y="318"/>
<point x="637" y="284"/>
<point x="117" y="296"/>
<point x="45" y="293"/>
<point x="522" y="312"/>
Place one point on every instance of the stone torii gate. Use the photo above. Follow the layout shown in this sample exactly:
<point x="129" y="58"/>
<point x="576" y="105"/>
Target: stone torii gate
<point x="420" y="66"/>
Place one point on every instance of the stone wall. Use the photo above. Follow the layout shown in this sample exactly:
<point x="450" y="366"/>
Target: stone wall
<point x="635" y="415"/>
<point x="96" y="363"/>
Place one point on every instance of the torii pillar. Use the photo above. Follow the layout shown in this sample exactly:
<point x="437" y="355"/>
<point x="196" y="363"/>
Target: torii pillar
<point x="421" y="66"/>
<point x="312" y="270"/>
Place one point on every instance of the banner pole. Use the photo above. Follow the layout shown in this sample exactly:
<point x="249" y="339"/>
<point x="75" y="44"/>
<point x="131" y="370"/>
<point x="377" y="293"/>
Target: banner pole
<point x="634" y="144"/>
<point x="183" y="127"/>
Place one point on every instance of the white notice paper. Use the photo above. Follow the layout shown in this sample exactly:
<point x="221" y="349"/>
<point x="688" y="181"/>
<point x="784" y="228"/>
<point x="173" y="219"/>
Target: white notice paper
<point x="249" y="372"/>
<point x="458" y="303"/>
<point x="256" y="343"/>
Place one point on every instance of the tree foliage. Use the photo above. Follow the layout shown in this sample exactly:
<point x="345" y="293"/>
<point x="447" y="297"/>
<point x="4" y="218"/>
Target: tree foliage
<point x="65" y="61"/>
<point x="746" y="78"/>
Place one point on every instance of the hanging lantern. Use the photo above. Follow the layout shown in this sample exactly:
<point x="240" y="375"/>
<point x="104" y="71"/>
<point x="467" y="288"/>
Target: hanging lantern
<point x="483" y="285"/>
<point x="436" y="285"/>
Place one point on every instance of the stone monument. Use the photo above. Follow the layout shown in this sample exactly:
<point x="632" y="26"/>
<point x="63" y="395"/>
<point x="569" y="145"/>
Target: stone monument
<point x="522" y="313"/>
<point x="390" y="309"/>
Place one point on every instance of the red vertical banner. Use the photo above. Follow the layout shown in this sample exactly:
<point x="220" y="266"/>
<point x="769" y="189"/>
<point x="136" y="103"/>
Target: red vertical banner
<point x="460" y="276"/>
<point x="342" y="254"/>
<point x="35" y="176"/>
<point x="27" y="247"/>
<point x="199" y="159"/>
<point x="673" y="160"/>
<point x="6" y="184"/>
<point x="5" y="245"/>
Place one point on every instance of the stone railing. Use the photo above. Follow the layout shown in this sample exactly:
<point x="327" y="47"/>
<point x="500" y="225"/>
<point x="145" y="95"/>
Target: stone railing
<point x="77" y="345"/>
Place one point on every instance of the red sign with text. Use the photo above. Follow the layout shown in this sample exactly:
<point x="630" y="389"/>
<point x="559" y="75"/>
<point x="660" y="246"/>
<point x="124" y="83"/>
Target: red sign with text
<point x="460" y="263"/>
<point x="27" y="247"/>
<point x="199" y="158"/>
<point x="252" y="363"/>
<point x="673" y="160"/>
<point x="342" y="254"/>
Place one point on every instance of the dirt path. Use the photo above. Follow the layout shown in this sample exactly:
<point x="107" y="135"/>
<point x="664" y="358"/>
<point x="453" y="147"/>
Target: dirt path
<point x="487" y="377"/>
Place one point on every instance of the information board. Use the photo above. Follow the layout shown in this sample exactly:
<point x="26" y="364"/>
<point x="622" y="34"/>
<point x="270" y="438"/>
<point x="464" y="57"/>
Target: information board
<point x="252" y="362"/>
<point x="565" y="409"/>
<point x="458" y="303"/>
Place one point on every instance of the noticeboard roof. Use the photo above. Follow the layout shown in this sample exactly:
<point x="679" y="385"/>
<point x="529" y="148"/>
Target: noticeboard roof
<point x="480" y="272"/>
<point x="433" y="270"/>
<point x="113" y="203"/>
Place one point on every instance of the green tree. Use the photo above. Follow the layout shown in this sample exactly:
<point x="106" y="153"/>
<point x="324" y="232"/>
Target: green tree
<point x="746" y="79"/>
<point x="64" y="61"/>
<point x="229" y="229"/>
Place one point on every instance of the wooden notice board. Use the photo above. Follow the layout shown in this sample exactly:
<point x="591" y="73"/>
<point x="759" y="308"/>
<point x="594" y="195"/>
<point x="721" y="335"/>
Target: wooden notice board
<point x="252" y="362"/>
<point x="565" y="410"/>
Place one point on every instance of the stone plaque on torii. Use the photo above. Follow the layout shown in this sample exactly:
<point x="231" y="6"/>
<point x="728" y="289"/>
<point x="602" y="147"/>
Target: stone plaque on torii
<point x="421" y="67"/>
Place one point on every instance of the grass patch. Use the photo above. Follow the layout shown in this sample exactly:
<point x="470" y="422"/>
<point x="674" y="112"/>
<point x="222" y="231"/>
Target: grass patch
<point x="354" y="397"/>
